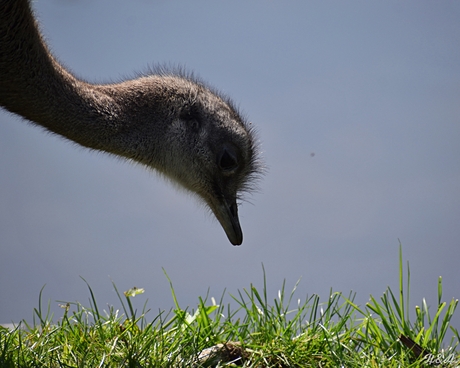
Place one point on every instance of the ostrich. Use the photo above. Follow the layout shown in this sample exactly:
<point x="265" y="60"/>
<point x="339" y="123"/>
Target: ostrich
<point x="167" y="121"/>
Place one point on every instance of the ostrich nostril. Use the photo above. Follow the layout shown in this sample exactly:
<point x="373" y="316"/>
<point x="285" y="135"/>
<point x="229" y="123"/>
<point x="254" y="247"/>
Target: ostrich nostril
<point x="234" y="210"/>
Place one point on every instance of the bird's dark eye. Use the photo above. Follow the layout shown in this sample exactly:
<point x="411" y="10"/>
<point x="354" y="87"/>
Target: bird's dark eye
<point x="228" y="161"/>
<point x="192" y="117"/>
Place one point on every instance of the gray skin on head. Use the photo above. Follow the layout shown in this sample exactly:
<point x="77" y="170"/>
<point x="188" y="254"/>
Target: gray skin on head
<point x="170" y="122"/>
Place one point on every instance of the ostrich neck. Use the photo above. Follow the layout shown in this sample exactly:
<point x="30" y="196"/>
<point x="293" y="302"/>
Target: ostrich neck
<point x="34" y="85"/>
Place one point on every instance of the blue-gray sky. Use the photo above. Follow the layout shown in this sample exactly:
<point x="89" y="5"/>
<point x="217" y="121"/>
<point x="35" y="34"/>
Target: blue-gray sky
<point x="371" y="88"/>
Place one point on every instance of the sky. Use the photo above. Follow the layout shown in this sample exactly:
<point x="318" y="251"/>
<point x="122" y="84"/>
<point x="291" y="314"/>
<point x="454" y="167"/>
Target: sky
<point x="357" y="109"/>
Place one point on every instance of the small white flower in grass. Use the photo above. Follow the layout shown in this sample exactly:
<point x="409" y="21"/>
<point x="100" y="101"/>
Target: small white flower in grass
<point x="133" y="292"/>
<point x="213" y="301"/>
<point x="65" y="306"/>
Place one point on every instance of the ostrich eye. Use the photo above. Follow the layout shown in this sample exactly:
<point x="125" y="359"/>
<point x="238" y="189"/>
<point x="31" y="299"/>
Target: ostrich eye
<point x="228" y="161"/>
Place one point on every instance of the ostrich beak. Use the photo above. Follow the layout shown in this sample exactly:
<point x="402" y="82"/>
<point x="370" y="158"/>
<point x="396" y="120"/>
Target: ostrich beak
<point x="227" y="214"/>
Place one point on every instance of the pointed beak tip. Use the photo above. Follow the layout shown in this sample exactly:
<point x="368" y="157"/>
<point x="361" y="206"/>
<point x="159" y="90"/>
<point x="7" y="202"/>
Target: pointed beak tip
<point x="235" y="239"/>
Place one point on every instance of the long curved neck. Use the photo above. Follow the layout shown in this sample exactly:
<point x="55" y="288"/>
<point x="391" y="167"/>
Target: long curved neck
<point x="34" y="85"/>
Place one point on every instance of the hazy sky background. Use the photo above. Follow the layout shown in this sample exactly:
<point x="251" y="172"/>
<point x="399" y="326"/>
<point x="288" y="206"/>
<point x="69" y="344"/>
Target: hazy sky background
<point x="371" y="88"/>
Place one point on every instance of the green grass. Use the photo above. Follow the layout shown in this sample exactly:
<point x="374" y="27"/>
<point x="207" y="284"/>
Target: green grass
<point x="285" y="332"/>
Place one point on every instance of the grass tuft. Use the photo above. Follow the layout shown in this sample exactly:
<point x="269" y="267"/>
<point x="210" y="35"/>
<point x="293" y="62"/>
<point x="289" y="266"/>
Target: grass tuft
<point x="285" y="332"/>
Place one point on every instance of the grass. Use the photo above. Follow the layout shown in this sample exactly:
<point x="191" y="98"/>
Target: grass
<point x="287" y="332"/>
